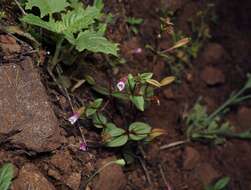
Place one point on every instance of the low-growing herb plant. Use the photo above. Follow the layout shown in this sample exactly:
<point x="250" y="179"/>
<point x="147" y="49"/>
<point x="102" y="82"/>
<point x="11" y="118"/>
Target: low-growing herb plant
<point x="134" y="23"/>
<point x="180" y="58"/>
<point x="221" y="184"/>
<point x="6" y="175"/>
<point x="82" y="27"/>
<point x="202" y="126"/>
<point x="135" y="90"/>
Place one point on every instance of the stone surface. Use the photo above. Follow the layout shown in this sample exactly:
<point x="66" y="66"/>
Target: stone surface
<point x="24" y="106"/>
<point x="212" y="76"/>
<point x="169" y="94"/>
<point x="54" y="174"/>
<point x="207" y="174"/>
<point x="213" y="54"/>
<point x="244" y="117"/>
<point x="73" y="181"/>
<point x="31" y="178"/>
<point x="62" y="161"/>
<point x="191" y="158"/>
<point x="111" y="178"/>
<point x="8" y="45"/>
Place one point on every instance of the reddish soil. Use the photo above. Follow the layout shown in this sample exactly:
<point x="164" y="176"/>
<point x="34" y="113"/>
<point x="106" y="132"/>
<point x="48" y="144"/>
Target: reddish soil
<point x="220" y="68"/>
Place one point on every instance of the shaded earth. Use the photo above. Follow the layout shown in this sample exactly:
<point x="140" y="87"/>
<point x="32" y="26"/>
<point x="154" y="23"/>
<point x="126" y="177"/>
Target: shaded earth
<point x="36" y="137"/>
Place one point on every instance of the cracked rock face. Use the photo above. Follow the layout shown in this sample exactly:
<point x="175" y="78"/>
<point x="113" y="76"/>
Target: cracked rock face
<point x="24" y="106"/>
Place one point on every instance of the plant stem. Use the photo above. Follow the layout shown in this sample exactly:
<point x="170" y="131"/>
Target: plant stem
<point x="55" y="59"/>
<point x="99" y="170"/>
<point x="231" y="100"/>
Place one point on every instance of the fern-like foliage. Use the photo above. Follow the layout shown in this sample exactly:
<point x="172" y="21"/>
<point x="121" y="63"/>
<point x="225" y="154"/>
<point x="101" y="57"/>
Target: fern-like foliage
<point x="82" y="27"/>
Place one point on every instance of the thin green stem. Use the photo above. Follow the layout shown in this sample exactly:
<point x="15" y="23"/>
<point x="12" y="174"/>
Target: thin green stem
<point x="55" y="58"/>
<point x="99" y="170"/>
<point x="231" y="100"/>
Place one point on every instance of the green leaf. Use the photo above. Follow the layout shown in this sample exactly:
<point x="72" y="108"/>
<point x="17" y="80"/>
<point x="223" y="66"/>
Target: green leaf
<point x="92" y="41"/>
<point x="99" y="4"/>
<point x="248" y="83"/>
<point x="78" y="19"/>
<point x="120" y="95"/>
<point x="114" y="136"/>
<point x="130" y="85"/>
<point x="97" y="103"/>
<point x="47" y="6"/>
<point x="145" y="76"/>
<point x="99" y="120"/>
<point x="222" y="183"/>
<point x="138" y="101"/>
<point x="6" y="175"/>
<point x="35" y="20"/>
<point x="90" y="79"/>
<point x="90" y="111"/>
<point x="134" y="21"/>
<point x="101" y="90"/>
<point x="139" y="130"/>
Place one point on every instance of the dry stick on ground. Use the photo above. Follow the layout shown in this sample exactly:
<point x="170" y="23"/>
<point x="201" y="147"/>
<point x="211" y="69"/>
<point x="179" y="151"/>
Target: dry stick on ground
<point x="164" y="177"/>
<point x="145" y="170"/>
<point x="174" y="144"/>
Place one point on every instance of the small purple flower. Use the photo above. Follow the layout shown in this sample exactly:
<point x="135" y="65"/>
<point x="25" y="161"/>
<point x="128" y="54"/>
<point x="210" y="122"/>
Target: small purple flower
<point x="121" y="85"/>
<point x="137" y="51"/>
<point x="74" y="118"/>
<point x="83" y="146"/>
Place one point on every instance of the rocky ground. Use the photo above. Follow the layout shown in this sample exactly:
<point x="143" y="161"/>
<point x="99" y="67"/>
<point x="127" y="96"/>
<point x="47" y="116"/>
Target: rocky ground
<point x="36" y="138"/>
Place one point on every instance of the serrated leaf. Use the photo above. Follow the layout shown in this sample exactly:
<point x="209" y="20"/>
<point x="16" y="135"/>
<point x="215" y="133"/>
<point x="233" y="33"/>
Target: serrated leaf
<point x="6" y="175"/>
<point x="139" y="130"/>
<point x="138" y="101"/>
<point x="78" y="19"/>
<point x="92" y="41"/>
<point x="167" y="80"/>
<point x="37" y="21"/>
<point x="114" y="136"/>
<point x="47" y="6"/>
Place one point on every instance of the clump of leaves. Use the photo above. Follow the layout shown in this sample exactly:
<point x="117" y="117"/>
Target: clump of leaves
<point x="6" y="175"/>
<point x="134" y="23"/>
<point x="133" y="90"/>
<point x="80" y="26"/>
<point x="202" y="126"/>
<point x="139" y="90"/>
<point x="180" y="58"/>
<point x="221" y="184"/>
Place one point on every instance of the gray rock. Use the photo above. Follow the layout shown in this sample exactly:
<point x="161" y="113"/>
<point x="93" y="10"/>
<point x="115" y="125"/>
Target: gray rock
<point x="24" y="106"/>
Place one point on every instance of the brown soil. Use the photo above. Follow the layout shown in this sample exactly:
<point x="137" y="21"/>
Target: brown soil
<point x="220" y="68"/>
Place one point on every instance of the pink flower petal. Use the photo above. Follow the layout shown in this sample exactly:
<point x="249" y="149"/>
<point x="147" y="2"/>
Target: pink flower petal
<point x="74" y="118"/>
<point x="83" y="146"/>
<point x="121" y="85"/>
